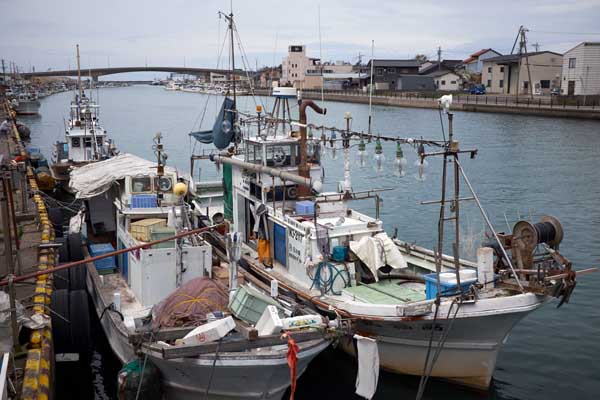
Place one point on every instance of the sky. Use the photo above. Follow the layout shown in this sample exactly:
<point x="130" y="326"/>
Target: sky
<point x="42" y="34"/>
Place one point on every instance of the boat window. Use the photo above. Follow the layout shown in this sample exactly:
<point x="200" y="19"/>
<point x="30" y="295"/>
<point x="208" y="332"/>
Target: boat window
<point x="282" y="155"/>
<point x="141" y="184"/>
<point x="99" y="141"/>
<point x="88" y="142"/>
<point x="254" y="153"/>
<point x="75" y="142"/>
<point x="164" y="183"/>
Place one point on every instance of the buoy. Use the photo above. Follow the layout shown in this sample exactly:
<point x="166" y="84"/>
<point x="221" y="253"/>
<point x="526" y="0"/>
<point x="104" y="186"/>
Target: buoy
<point x="180" y="189"/>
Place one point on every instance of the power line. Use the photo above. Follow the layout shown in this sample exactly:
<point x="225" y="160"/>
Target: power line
<point x="567" y="33"/>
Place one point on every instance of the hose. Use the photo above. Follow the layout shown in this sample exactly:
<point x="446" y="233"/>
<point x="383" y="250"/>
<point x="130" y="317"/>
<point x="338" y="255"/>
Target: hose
<point x="326" y="284"/>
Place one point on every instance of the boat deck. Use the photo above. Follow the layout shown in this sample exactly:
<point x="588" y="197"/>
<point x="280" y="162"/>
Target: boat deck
<point x="387" y="292"/>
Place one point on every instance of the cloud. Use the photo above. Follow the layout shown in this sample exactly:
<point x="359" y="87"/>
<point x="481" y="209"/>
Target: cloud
<point x="129" y="33"/>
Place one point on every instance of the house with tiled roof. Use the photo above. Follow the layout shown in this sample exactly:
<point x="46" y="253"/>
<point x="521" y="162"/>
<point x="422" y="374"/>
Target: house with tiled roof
<point x="474" y="64"/>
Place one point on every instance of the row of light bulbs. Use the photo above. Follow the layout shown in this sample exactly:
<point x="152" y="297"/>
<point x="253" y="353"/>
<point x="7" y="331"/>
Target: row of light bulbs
<point x="363" y="157"/>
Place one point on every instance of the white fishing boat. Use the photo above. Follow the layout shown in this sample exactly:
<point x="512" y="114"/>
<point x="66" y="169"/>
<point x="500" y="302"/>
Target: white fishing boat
<point x="85" y="140"/>
<point x="25" y="103"/>
<point x="432" y="315"/>
<point x="146" y="201"/>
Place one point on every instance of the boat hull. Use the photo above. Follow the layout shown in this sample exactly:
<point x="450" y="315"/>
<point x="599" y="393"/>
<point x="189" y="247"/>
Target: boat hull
<point x="234" y="376"/>
<point x="27" y="107"/>
<point x="468" y="356"/>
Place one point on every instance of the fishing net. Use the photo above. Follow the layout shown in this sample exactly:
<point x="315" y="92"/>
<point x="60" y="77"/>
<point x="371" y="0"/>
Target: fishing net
<point x="189" y="304"/>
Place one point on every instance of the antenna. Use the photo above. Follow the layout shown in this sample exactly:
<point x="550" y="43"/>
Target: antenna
<point x="78" y="71"/>
<point x="439" y="54"/>
<point x="371" y="85"/>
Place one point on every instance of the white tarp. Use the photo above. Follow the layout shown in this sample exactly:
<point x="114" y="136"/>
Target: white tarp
<point x="377" y="251"/>
<point x="96" y="178"/>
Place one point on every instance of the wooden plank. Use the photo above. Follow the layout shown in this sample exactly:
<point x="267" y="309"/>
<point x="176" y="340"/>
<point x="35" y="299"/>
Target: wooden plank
<point x="247" y="331"/>
<point x="231" y="346"/>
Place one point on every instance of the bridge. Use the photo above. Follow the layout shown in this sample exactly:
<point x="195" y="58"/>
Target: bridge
<point x="97" y="72"/>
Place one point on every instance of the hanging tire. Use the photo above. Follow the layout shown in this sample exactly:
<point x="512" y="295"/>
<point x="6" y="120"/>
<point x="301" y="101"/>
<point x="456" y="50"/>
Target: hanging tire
<point x="63" y="251"/>
<point x="79" y="312"/>
<point x="61" y="329"/>
<point x="56" y="219"/>
<point x="75" y="243"/>
<point x="77" y="277"/>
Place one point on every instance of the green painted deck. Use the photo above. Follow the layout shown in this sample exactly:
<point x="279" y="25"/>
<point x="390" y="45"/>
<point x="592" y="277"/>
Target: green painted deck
<point x="387" y="292"/>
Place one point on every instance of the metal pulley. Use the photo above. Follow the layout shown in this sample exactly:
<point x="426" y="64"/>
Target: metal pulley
<point x="549" y="230"/>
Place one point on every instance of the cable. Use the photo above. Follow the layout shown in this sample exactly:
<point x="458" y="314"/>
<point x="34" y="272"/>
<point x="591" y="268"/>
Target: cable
<point x="212" y="370"/>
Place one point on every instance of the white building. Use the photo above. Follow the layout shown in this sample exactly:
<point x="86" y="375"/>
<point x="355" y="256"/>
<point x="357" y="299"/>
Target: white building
<point x="581" y="70"/>
<point x="446" y="80"/>
<point x="295" y="65"/>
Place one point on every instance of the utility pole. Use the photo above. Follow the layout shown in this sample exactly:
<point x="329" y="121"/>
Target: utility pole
<point x="522" y="52"/>
<point x="536" y="46"/>
<point x="439" y="54"/>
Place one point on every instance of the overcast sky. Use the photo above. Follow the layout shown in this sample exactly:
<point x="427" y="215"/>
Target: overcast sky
<point x="43" y="33"/>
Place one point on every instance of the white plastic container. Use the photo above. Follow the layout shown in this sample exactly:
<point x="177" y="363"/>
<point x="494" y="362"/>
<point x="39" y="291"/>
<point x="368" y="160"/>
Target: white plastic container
<point x="485" y="266"/>
<point x="209" y="332"/>
<point x="303" y="321"/>
<point x="269" y="322"/>
<point x="466" y="275"/>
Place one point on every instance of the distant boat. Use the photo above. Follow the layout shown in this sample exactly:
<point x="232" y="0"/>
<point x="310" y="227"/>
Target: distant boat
<point x="25" y="103"/>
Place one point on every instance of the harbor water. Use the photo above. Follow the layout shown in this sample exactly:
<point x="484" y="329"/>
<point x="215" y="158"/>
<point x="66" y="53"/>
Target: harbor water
<point x="526" y="167"/>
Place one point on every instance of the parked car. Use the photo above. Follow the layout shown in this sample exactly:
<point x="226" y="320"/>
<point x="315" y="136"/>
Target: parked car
<point x="555" y="91"/>
<point x="477" y="89"/>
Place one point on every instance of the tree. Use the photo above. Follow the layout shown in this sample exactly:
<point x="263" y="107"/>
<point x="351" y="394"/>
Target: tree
<point x="421" y="58"/>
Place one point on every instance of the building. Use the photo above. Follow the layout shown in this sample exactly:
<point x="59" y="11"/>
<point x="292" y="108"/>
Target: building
<point x="474" y="64"/>
<point x="415" y="83"/>
<point x="507" y="74"/>
<point x="446" y="80"/>
<point x="434" y="66"/>
<point x="581" y="70"/>
<point x="295" y="65"/>
<point x="387" y="72"/>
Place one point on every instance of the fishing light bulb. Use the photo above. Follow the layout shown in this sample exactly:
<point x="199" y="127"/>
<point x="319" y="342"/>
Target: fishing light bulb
<point x="310" y="148"/>
<point x="421" y="165"/>
<point x="400" y="161"/>
<point x="332" y="140"/>
<point x="226" y="126"/>
<point x="362" y="156"/>
<point x="379" y="158"/>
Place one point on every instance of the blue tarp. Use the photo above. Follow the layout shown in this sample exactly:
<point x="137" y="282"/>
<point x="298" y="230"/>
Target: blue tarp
<point x="217" y="136"/>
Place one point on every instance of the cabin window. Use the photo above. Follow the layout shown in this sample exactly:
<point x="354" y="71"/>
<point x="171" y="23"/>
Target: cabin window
<point x="75" y="142"/>
<point x="254" y="154"/>
<point x="87" y="141"/>
<point x="99" y="141"/>
<point x="141" y="184"/>
<point x="282" y="155"/>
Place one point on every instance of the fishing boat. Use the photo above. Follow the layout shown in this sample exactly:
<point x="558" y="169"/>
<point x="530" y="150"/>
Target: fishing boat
<point x="25" y="103"/>
<point x="85" y="140"/>
<point x="148" y="201"/>
<point x="431" y="314"/>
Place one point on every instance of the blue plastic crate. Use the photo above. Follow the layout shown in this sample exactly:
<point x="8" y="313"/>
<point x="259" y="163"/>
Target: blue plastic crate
<point x="340" y="253"/>
<point x="305" y="207"/>
<point x="447" y="288"/>
<point x="100" y="249"/>
<point x="143" y="201"/>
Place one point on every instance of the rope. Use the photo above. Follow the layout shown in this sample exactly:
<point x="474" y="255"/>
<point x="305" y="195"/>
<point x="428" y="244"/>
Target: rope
<point x="212" y="370"/>
<point x="440" y="347"/>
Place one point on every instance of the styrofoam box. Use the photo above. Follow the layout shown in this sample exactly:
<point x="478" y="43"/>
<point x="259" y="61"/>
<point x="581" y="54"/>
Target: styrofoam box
<point x="269" y="322"/>
<point x="209" y="332"/>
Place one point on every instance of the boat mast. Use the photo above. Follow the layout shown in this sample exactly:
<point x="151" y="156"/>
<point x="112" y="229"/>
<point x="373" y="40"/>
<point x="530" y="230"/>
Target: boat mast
<point x="371" y="85"/>
<point x="231" y="27"/>
<point x="78" y="72"/>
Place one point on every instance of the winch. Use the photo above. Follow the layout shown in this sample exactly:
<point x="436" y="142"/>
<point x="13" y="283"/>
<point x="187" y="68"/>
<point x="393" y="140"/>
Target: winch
<point x="526" y="237"/>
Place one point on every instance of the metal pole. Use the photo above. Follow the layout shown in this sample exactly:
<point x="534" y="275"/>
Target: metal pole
<point x="6" y="229"/>
<point x="25" y="277"/>
<point x="455" y="247"/>
<point x="13" y="312"/>
<point x="489" y="224"/>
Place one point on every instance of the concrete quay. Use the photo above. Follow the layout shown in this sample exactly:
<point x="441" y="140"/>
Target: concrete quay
<point x="491" y="104"/>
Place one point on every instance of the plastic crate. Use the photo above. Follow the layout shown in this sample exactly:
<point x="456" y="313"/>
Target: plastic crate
<point x="142" y="229"/>
<point x="99" y="249"/>
<point x="447" y="288"/>
<point x="143" y="201"/>
<point x="248" y="304"/>
<point x="305" y="207"/>
<point x="158" y="232"/>
<point x="340" y="253"/>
